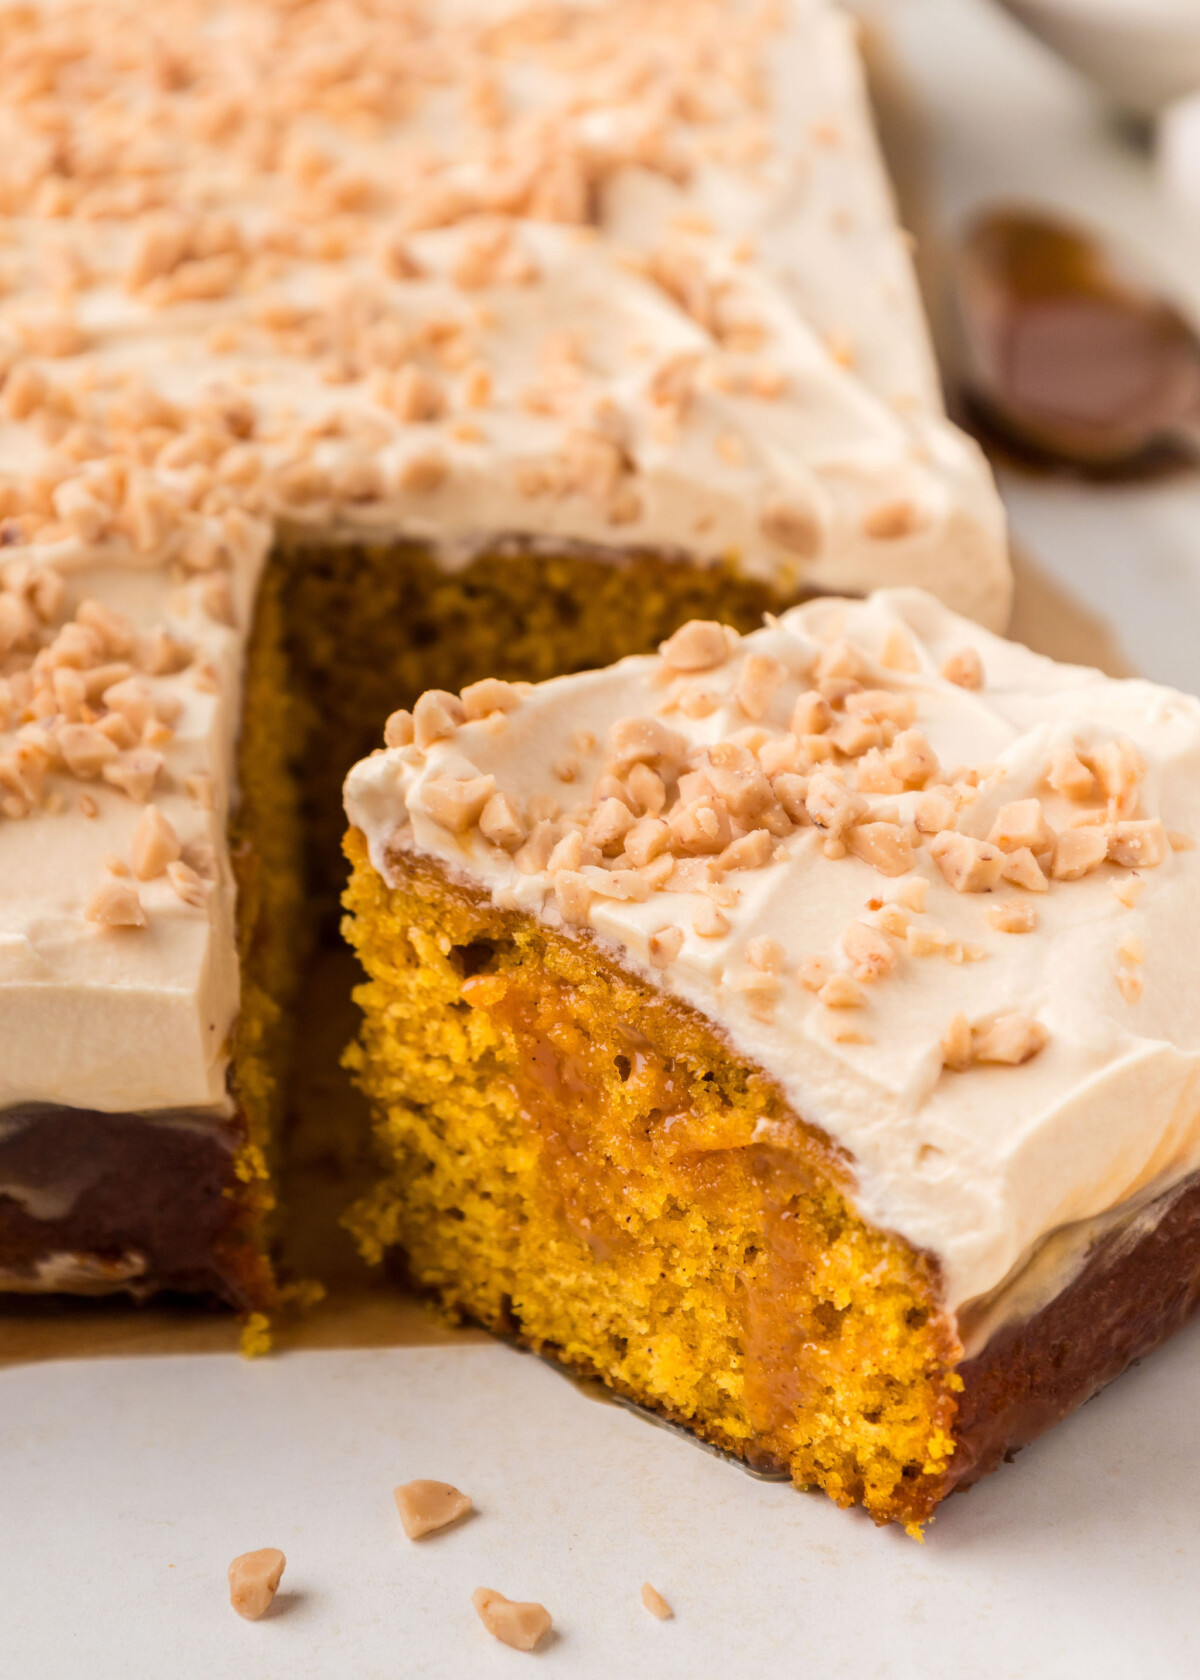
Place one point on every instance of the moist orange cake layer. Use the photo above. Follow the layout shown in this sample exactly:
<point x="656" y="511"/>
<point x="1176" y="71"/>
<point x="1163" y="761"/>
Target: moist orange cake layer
<point x="578" y="1161"/>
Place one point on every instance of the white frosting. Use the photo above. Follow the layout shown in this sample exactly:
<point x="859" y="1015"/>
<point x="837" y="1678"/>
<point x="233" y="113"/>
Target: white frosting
<point x="977" y="1166"/>
<point x="203" y="333"/>
<point x="754" y="238"/>
<point x="126" y="1019"/>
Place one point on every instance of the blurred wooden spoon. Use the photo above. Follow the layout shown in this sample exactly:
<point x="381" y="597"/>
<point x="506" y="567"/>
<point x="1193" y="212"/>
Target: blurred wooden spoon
<point x="1068" y="350"/>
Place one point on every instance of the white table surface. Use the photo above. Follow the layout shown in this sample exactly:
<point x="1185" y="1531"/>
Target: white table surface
<point x="127" y="1485"/>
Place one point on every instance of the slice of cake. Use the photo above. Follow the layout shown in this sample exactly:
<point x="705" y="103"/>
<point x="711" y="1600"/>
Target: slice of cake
<point x="796" y="1031"/>
<point x="349" y="350"/>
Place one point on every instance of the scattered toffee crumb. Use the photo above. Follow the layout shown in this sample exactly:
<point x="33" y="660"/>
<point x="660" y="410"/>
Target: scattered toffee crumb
<point x="426" y="1506"/>
<point x="522" y="1626"/>
<point x="254" y="1580"/>
<point x="656" y="1603"/>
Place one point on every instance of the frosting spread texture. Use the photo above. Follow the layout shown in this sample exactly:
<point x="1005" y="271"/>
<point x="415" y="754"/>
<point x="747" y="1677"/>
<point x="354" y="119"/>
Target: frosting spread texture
<point x="623" y="273"/>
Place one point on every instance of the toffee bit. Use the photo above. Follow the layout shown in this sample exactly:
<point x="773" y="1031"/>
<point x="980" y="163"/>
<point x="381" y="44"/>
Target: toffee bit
<point x="116" y="904"/>
<point x="1139" y="845"/>
<point x="1009" y="1040"/>
<point x="656" y="1603"/>
<point x="1068" y="775"/>
<point x="1128" y="889"/>
<point x="841" y="992"/>
<point x="1022" y="825"/>
<point x="970" y="866"/>
<point x="956" y="1044"/>
<point x="665" y="946"/>
<point x="892" y="520"/>
<point x="1013" y="915"/>
<point x="399" y="730"/>
<point x="426" y="1506"/>
<point x="884" y="845"/>
<point x="254" y="1580"/>
<point x="964" y="668"/>
<point x="523" y="1626"/>
<point x="699" y="645"/>
<point x="1131" y="985"/>
<point x="709" y="922"/>
<point x="1078" y="851"/>
<point x="871" y="953"/>
<point x="155" y="844"/>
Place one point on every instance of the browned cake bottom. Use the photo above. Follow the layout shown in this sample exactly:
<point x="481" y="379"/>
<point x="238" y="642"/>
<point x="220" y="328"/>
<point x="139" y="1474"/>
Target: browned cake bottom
<point x="93" y="1202"/>
<point x="1127" y="1300"/>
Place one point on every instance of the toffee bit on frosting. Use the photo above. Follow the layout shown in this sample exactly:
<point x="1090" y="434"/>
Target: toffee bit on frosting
<point x="840" y="991"/>
<point x="189" y="886"/>
<point x="1077" y="851"/>
<point x="757" y="682"/>
<point x="202" y="789"/>
<point x="155" y="844"/>
<point x="523" y="1626"/>
<point x="135" y="773"/>
<point x="665" y="946"/>
<point x="436" y="716"/>
<point x="644" y="740"/>
<point x="935" y="813"/>
<point x="1008" y="1040"/>
<point x="956" y="1044"/>
<point x="573" y="892"/>
<point x="1128" y="889"/>
<point x="1004" y="1041"/>
<point x="884" y="845"/>
<point x="457" y="803"/>
<point x="700" y="645"/>
<point x="1068" y="775"/>
<point x="751" y="851"/>
<point x="766" y="954"/>
<point x="490" y="695"/>
<point x="710" y="922"/>
<point x="399" y="730"/>
<point x="969" y="865"/>
<point x="927" y="940"/>
<point x="1022" y="824"/>
<point x="871" y="954"/>
<point x="500" y="822"/>
<point x="425" y="1507"/>
<point x="792" y="526"/>
<point x="832" y="807"/>
<point x="899" y="651"/>
<point x="812" y="714"/>
<point x="116" y="904"/>
<point x="911" y="893"/>
<point x="892" y="520"/>
<point x="1012" y="915"/>
<point x="1139" y="845"/>
<point x="1022" y="869"/>
<point x="964" y="668"/>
